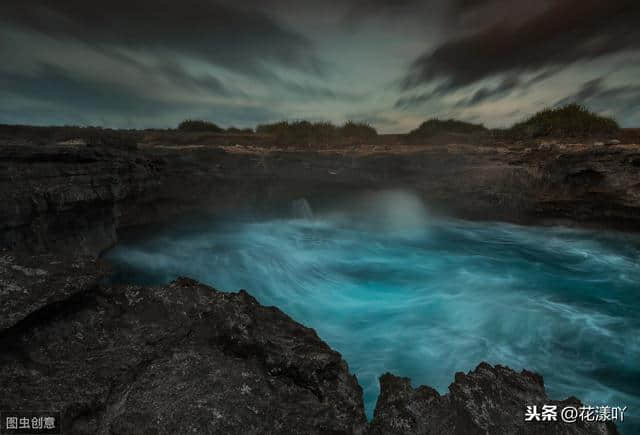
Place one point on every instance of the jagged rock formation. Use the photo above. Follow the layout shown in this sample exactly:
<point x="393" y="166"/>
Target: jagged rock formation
<point x="487" y="400"/>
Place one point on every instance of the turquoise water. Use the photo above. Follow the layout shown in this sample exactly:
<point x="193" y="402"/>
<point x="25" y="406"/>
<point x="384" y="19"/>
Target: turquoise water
<point x="395" y="290"/>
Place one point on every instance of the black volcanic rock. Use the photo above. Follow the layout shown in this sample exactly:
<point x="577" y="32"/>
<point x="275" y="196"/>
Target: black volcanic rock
<point x="77" y="198"/>
<point x="74" y="198"/>
<point x="31" y="282"/>
<point x="487" y="400"/>
<point x="64" y="197"/>
<point x="181" y="358"/>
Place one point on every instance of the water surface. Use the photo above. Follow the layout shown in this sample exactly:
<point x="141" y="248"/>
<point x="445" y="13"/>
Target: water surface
<point x="395" y="290"/>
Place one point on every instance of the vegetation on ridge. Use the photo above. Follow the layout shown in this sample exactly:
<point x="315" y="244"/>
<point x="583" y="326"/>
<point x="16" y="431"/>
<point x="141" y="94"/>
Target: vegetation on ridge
<point x="571" y="120"/>
<point x="199" y="125"/>
<point x="318" y="133"/>
<point x="435" y="126"/>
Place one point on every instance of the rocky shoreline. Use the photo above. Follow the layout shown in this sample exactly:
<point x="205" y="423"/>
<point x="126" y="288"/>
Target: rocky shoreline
<point x="187" y="358"/>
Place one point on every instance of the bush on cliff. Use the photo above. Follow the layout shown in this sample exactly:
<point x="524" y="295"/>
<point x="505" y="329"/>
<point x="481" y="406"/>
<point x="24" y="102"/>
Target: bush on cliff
<point x="572" y="120"/>
<point x="235" y="130"/>
<point x="436" y="127"/>
<point x="317" y="133"/>
<point x="358" y="130"/>
<point x="199" y="125"/>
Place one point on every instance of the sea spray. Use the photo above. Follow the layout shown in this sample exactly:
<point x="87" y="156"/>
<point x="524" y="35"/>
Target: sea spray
<point x="300" y="209"/>
<point x="391" y="212"/>
<point x="561" y="302"/>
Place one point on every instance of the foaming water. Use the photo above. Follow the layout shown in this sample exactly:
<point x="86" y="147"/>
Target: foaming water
<point x="393" y="290"/>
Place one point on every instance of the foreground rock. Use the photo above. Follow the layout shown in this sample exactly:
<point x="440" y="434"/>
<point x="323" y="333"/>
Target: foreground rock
<point x="182" y="358"/>
<point x="487" y="400"/>
<point x="186" y="358"/>
<point x="31" y="282"/>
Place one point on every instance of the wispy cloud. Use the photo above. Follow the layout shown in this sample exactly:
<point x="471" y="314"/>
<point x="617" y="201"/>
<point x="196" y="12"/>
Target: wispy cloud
<point x="144" y="63"/>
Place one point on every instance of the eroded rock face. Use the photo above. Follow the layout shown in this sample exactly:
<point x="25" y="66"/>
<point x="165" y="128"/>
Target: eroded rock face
<point x="74" y="198"/>
<point x="487" y="400"/>
<point x="30" y="282"/>
<point x="181" y="358"/>
<point x="77" y="198"/>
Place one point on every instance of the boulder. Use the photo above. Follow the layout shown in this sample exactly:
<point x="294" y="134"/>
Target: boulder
<point x="180" y="358"/>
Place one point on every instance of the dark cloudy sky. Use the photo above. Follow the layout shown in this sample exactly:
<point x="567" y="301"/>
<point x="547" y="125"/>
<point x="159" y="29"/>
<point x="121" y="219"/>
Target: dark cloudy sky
<point x="393" y="63"/>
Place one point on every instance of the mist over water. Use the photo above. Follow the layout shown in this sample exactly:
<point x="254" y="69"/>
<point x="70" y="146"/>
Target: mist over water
<point x="395" y="290"/>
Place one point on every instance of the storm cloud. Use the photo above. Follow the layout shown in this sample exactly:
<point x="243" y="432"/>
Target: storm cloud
<point x="218" y="32"/>
<point x="144" y="63"/>
<point x="566" y="32"/>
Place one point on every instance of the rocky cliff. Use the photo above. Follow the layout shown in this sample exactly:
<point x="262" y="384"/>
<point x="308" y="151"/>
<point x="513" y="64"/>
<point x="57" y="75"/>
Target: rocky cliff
<point x="77" y="197"/>
<point x="188" y="358"/>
